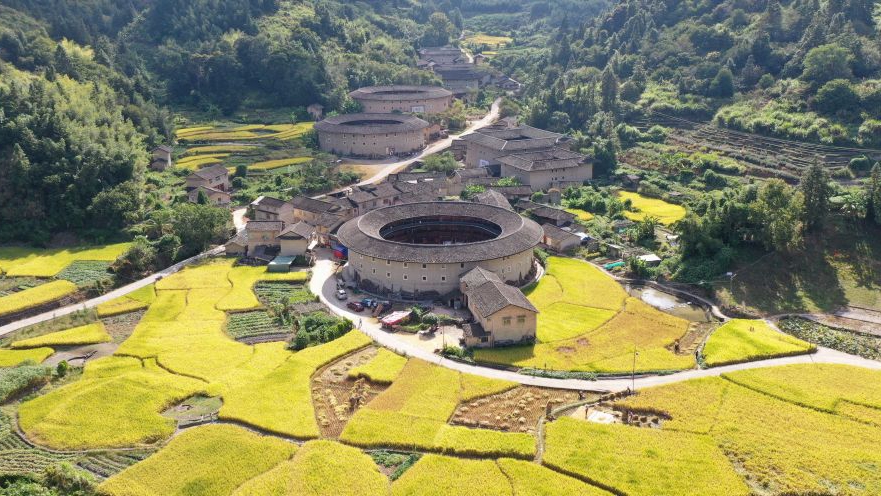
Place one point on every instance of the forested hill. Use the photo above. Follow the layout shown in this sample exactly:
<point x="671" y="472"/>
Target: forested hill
<point x="798" y="69"/>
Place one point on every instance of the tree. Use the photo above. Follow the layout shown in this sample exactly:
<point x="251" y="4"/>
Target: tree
<point x="835" y="96"/>
<point x="472" y="190"/>
<point x="816" y="191"/>
<point x="827" y="62"/>
<point x="874" y="194"/>
<point x="722" y="86"/>
<point x="777" y="212"/>
<point x="197" y="226"/>
<point x="609" y="90"/>
<point x="439" y="31"/>
<point x="441" y="162"/>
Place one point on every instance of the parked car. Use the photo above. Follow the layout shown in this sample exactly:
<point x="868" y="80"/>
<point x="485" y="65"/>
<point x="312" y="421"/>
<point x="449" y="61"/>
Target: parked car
<point x="355" y="306"/>
<point x="341" y="294"/>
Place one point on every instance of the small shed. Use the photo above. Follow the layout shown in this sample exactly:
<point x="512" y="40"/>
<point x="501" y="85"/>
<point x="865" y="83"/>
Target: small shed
<point x="280" y="264"/>
<point x="651" y="259"/>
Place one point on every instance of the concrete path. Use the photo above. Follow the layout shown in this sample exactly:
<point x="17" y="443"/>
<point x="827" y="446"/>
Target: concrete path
<point x="116" y="293"/>
<point x="323" y="283"/>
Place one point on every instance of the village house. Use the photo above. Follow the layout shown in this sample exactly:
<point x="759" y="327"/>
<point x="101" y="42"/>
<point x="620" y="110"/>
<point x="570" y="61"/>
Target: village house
<point x="559" y="240"/>
<point x="442" y="55"/>
<point x="269" y="208"/>
<point x="544" y="214"/>
<point x="295" y="240"/>
<point x="212" y="196"/>
<point x="502" y="314"/>
<point x="310" y="210"/>
<point x="461" y="79"/>
<point x="161" y="158"/>
<point x="493" y="197"/>
<point x="486" y="146"/>
<point x="545" y="169"/>
<point x="215" y="177"/>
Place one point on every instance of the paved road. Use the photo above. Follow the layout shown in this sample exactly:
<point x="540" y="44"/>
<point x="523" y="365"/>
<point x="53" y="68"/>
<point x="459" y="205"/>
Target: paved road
<point x="124" y="290"/>
<point x="323" y="283"/>
<point x="437" y="146"/>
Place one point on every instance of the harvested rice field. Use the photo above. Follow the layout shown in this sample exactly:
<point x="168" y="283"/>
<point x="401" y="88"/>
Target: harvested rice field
<point x="666" y="213"/>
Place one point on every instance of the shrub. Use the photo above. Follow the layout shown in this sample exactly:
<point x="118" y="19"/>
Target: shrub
<point x="22" y="377"/>
<point x="836" y="96"/>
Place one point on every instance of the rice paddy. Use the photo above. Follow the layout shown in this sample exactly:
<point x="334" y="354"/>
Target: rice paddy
<point x="277" y="164"/>
<point x="36" y="296"/>
<point x="666" y="213"/>
<point x="86" y="334"/>
<point x="247" y="132"/>
<point x="134" y="301"/>
<point x="742" y="340"/>
<point x="381" y="369"/>
<point x="489" y="40"/>
<point x="579" y="214"/>
<point x="797" y="429"/>
<point x="36" y="262"/>
<point x="11" y="358"/>
<point x="586" y="322"/>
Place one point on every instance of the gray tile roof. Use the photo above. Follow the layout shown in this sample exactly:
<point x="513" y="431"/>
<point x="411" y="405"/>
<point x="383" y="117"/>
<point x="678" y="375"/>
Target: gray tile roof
<point x="365" y="123"/>
<point x="555" y="233"/>
<point x="210" y="172"/>
<point x="312" y="205"/>
<point x="268" y="201"/>
<point x="514" y="139"/>
<point x="399" y="92"/>
<point x="477" y="276"/>
<point x="299" y="230"/>
<point x="264" y="225"/>
<point x="553" y="158"/>
<point x="493" y="197"/>
<point x="490" y="297"/>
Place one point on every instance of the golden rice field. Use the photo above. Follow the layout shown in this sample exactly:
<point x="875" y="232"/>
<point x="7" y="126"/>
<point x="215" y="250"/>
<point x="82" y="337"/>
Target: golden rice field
<point x="586" y="322"/>
<point x="36" y="296"/>
<point x="18" y="261"/>
<point x="640" y="461"/>
<point x="381" y="369"/>
<point x="796" y="429"/>
<point x="486" y="39"/>
<point x="247" y="132"/>
<point x="86" y="334"/>
<point x="213" y="149"/>
<point x="136" y="300"/>
<point x="11" y="358"/>
<point x="197" y="162"/>
<point x="279" y="163"/>
<point x="579" y="214"/>
<point x="743" y="340"/>
<point x="209" y="460"/>
<point x="413" y="414"/>
<point x="666" y="213"/>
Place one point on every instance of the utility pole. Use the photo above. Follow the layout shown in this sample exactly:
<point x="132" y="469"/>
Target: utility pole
<point x="633" y="372"/>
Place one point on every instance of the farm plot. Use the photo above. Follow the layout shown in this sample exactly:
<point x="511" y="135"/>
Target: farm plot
<point x="134" y="301"/>
<point x="17" y="458"/>
<point x="586" y="322"/>
<point x="86" y="272"/>
<point x="489" y="40"/>
<point x="248" y="132"/>
<point x="320" y="468"/>
<point x="255" y="326"/>
<point x="14" y="380"/>
<point x="36" y="296"/>
<point x="413" y="414"/>
<point x="631" y="460"/>
<point x="86" y="334"/>
<point x="512" y="409"/>
<point x="196" y="162"/>
<point x="757" y="418"/>
<point x="11" y="358"/>
<point x="382" y="368"/>
<point x="208" y="460"/>
<point x="742" y="340"/>
<point x="20" y="261"/>
<point x="666" y="213"/>
<point x="268" y="165"/>
<point x="579" y="214"/>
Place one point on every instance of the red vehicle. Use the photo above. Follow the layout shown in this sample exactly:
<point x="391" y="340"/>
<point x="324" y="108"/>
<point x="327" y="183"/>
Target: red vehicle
<point x="356" y="306"/>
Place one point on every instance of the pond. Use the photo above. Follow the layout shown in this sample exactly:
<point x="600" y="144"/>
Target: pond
<point x="668" y="303"/>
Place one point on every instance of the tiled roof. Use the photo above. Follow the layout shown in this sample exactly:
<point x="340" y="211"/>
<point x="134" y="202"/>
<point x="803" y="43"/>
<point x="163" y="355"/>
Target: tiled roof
<point x="555" y="233"/>
<point x="477" y="276"/>
<point x="399" y="92"/>
<point x="210" y="172"/>
<point x="298" y="230"/>
<point x="268" y="201"/>
<point x="518" y="234"/>
<point x="312" y="205"/>
<point x="552" y="213"/>
<point x="364" y="123"/>
<point x="553" y="158"/>
<point x="264" y="225"/>
<point x="493" y="197"/>
<point x="514" y="139"/>
<point x="492" y="296"/>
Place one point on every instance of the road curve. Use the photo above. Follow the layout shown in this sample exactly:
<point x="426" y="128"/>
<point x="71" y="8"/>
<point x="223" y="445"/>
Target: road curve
<point x="323" y="283"/>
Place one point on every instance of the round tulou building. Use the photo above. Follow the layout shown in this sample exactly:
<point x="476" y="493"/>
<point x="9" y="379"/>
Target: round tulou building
<point x="422" y="249"/>
<point x="415" y="99"/>
<point x="371" y="135"/>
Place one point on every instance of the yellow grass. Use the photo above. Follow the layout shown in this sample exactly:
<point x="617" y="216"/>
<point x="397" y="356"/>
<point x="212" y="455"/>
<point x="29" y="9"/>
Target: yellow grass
<point x="118" y="404"/>
<point x="36" y="296"/>
<point x="87" y="334"/>
<point x="136" y="300"/>
<point x="203" y="461"/>
<point x="435" y="475"/>
<point x="381" y="369"/>
<point x="582" y="325"/>
<point x="531" y="479"/>
<point x="11" y="358"/>
<point x="320" y="468"/>
<point x="486" y="39"/>
<point x="666" y="213"/>
<point x="413" y="413"/>
<point x="19" y="261"/>
<point x="640" y="461"/>
<point x="277" y="164"/>
<point x="180" y="133"/>
<point x="785" y="448"/>
<point x="580" y="214"/>
<point x="743" y="340"/>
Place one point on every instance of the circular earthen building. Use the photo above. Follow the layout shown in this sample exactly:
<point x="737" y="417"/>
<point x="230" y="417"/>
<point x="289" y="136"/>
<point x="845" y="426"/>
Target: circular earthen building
<point x="422" y="249"/>
<point x="371" y="135"/>
<point x="415" y="99"/>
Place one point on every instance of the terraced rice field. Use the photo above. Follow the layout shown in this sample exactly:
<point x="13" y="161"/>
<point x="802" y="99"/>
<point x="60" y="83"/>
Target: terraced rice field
<point x="490" y="40"/>
<point x="132" y="302"/>
<point x="579" y="214"/>
<point x="666" y="213"/>
<point x="11" y="358"/>
<point x="586" y="322"/>
<point x="86" y="334"/>
<point x="196" y="162"/>
<point x="381" y="369"/>
<point x="277" y="164"/>
<point x="247" y="132"/>
<point x="796" y="429"/>
<point x="36" y="296"/>
<point x="21" y="261"/>
<point x="742" y="340"/>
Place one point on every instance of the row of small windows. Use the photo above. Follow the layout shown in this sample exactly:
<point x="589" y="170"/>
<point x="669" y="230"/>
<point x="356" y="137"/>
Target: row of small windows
<point x="521" y="319"/>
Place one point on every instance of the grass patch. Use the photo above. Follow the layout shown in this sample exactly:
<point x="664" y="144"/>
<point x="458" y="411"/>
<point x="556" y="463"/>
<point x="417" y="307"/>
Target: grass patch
<point x="777" y="424"/>
<point x="36" y="296"/>
<point x="634" y="460"/>
<point x="666" y="213"/>
<point x="207" y="460"/>
<point x="381" y="369"/>
<point x="320" y="468"/>
<point x="87" y="334"/>
<point x="742" y="340"/>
